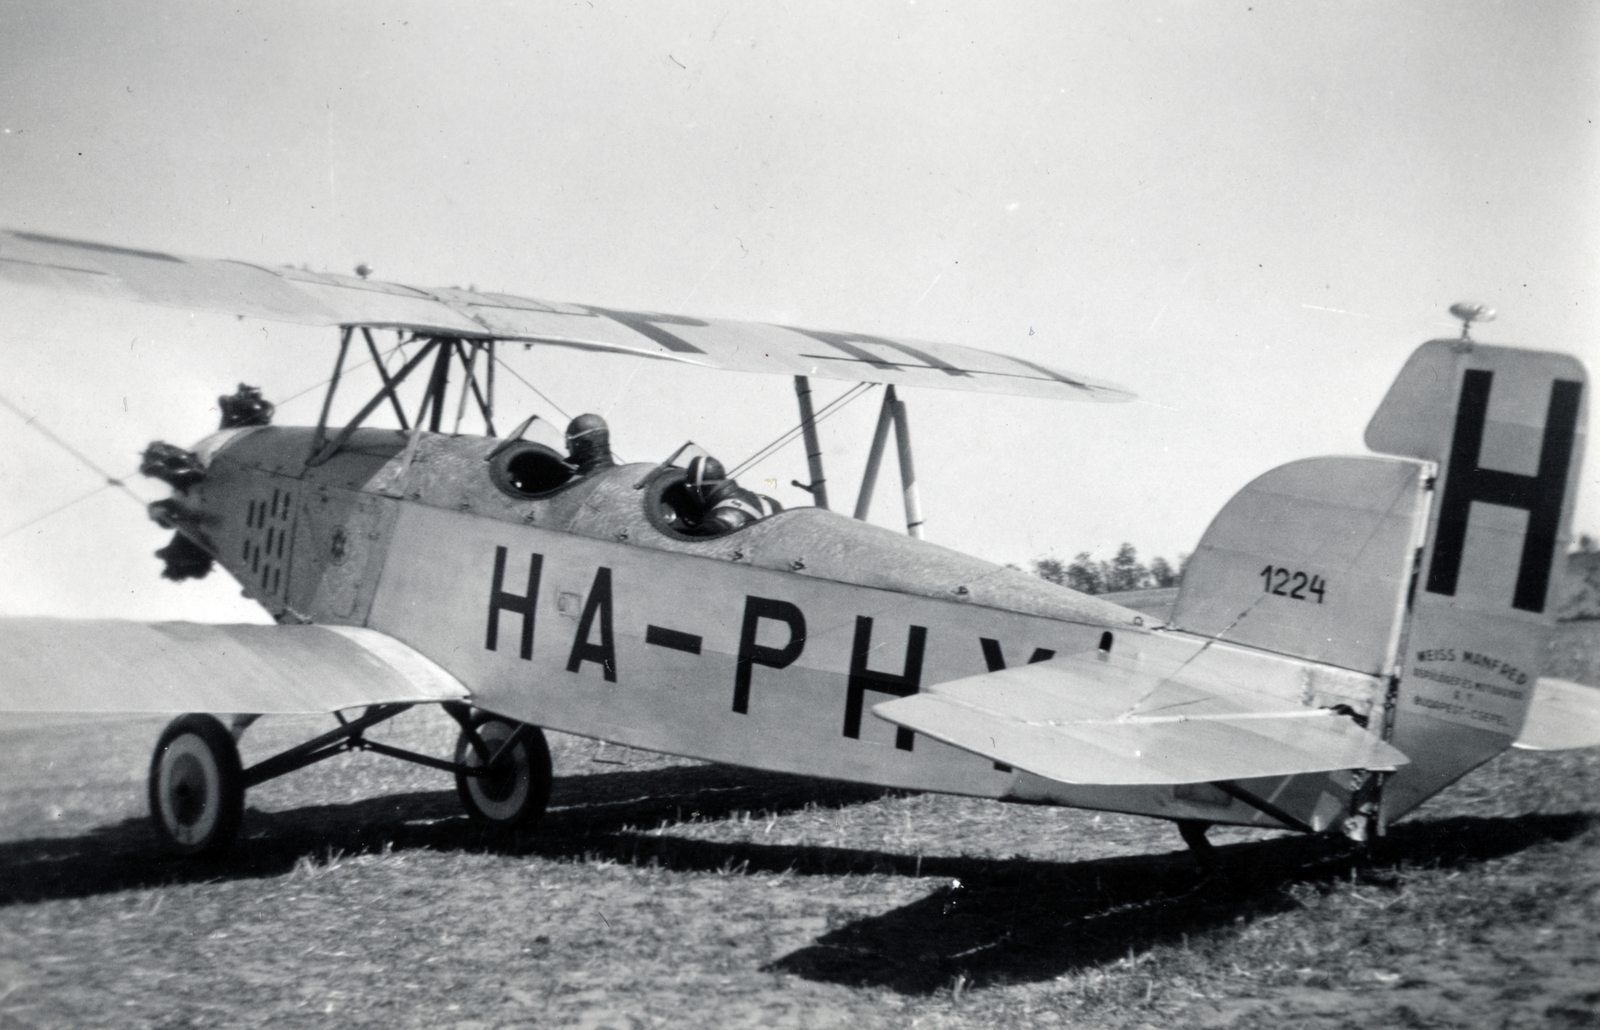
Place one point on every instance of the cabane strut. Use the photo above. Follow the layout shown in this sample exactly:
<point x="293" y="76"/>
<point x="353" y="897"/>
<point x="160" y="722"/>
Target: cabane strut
<point x="444" y="349"/>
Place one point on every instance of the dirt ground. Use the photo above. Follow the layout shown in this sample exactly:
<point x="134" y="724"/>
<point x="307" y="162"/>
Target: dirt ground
<point x="663" y="893"/>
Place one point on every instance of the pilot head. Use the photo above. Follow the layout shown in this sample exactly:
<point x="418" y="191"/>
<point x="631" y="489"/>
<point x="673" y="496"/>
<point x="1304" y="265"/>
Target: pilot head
<point x="703" y="475"/>
<point x="589" y="444"/>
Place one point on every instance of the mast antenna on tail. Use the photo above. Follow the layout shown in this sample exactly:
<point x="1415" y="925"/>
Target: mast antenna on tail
<point x="1470" y="313"/>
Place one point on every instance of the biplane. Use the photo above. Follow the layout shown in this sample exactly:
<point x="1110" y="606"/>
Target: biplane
<point x="1351" y="635"/>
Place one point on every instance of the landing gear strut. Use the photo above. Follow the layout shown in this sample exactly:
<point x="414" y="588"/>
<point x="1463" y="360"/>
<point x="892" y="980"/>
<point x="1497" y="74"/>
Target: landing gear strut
<point x="197" y="783"/>
<point x="1193" y="832"/>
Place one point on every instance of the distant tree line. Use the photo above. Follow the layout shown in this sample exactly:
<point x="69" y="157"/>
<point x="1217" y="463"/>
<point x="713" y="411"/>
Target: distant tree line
<point x="1124" y="571"/>
<point x="1579" y="598"/>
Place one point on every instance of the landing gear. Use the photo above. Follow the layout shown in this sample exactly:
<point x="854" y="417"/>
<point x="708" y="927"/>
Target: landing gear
<point x="512" y="793"/>
<point x="1193" y="832"/>
<point x="196" y="787"/>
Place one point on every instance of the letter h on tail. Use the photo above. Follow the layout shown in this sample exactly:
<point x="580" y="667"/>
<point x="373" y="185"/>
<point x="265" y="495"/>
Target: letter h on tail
<point x="1540" y="495"/>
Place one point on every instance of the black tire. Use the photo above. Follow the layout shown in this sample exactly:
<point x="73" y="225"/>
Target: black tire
<point x="515" y="797"/>
<point x="196" y="787"/>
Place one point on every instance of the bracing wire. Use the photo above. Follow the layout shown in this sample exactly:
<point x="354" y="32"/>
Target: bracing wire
<point x="33" y="422"/>
<point x="56" y="510"/>
<point x="317" y="386"/>
<point x="833" y="407"/>
<point x="790" y="435"/>
<point x="119" y="481"/>
<point x="498" y="360"/>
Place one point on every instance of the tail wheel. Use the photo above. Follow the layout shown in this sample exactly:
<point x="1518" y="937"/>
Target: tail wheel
<point x="196" y="787"/>
<point x="514" y="795"/>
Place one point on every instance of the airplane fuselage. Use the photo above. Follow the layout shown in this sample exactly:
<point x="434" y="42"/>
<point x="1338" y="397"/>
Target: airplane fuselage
<point x="582" y="610"/>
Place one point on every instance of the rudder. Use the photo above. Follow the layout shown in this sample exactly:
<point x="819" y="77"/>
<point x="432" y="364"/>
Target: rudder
<point x="1505" y="427"/>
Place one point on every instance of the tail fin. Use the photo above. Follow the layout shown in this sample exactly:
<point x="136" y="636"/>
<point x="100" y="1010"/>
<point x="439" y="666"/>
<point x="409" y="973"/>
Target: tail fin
<point x="1505" y="428"/>
<point x="1311" y="560"/>
<point x="1430" y="571"/>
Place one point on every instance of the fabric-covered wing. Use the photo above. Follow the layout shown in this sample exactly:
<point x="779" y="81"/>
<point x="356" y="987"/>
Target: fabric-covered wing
<point x="313" y="298"/>
<point x="1172" y="711"/>
<point x="1563" y="715"/>
<point x="106" y="665"/>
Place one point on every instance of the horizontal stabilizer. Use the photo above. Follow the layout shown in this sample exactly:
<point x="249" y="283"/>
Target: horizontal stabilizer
<point x="105" y="665"/>
<point x="1151" y="718"/>
<point x="1562" y="715"/>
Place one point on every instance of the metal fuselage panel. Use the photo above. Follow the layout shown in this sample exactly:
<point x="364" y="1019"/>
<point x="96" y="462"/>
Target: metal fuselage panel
<point x="245" y="516"/>
<point x="642" y="647"/>
<point x="667" y="675"/>
<point x="307" y="544"/>
<point x="728" y="649"/>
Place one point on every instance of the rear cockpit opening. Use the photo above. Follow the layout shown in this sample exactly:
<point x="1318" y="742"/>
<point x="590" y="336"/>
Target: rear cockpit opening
<point x="529" y="470"/>
<point x="679" y="507"/>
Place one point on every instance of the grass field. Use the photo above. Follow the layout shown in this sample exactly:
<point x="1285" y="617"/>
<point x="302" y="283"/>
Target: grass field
<point x="664" y="893"/>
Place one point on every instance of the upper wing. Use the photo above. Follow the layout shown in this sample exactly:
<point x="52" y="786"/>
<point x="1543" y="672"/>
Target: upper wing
<point x="1172" y="712"/>
<point x="105" y="665"/>
<point x="1562" y="715"/>
<point x="312" y="298"/>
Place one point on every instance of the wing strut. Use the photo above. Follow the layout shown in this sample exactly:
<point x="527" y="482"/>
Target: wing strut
<point x="808" y="426"/>
<point x="1262" y="805"/>
<point x="483" y="395"/>
<point x="476" y="384"/>
<point x="321" y="450"/>
<point x="318" y="438"/>
<point x="908" y="473"/>
<point x="880" y="436"/>
<point x="388" y="383"/>
<point x="438" y="382"/>
<point x="893" y="413"/>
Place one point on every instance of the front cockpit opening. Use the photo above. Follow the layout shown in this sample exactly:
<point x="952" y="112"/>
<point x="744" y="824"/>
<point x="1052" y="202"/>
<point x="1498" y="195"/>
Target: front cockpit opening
<point x="528" y="470"/>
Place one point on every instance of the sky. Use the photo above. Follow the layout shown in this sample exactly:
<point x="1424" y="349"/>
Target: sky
<point x="1248" y="213"/>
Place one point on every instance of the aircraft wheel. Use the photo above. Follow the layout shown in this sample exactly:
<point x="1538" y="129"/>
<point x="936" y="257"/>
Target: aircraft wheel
<point x="196" y="787"/>
<point x="514" y="796"/>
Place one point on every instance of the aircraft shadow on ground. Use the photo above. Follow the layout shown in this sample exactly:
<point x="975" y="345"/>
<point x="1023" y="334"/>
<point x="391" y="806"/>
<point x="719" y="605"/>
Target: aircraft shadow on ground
<point x="1032" y="921"/>
<point x="1010" y="920"/>
<point x="597" y="814"/>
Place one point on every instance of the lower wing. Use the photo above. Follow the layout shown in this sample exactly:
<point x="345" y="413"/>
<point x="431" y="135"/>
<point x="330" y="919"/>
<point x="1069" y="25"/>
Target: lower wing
<point x="105" y="665"/>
